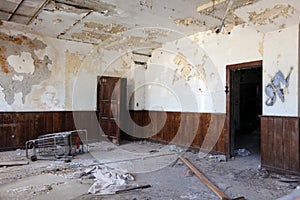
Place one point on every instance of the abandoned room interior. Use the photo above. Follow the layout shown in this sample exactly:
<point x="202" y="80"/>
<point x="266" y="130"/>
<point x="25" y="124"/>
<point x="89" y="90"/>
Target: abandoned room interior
<point x="149" y="99"/>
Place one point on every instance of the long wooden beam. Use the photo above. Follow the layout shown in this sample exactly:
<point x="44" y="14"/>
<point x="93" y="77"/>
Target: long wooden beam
<point x="211" y="186"/>
<point x="209" y="5"/>
<point x="13" y="163"/>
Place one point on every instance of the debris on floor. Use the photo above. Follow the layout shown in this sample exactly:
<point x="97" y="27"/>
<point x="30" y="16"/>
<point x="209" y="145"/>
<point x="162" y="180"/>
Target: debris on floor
<point x="13" y="163"/>
<point x="109" y="181"/>
<point x="207" y="182"/>
<point x="242" y="152"/>
<point x="175" y="148"/>
<point x="217" y="158"/>
<point x="163" y="176"/>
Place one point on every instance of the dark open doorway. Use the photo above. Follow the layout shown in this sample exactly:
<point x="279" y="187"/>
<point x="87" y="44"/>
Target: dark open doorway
<point x="244" y="106"/>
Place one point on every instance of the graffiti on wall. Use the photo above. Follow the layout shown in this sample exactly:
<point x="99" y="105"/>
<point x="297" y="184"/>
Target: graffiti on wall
<point x="277" y="87"/>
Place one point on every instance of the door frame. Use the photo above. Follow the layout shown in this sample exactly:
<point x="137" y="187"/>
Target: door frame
<point x="227" y="130"/>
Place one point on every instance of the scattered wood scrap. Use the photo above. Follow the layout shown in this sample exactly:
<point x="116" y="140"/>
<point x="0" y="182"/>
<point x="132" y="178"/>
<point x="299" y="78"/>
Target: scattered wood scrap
<point x="211" y="186"/>
<point x="13" y="163"/>
<point x="289" y="180"/>
<point x="133" y="188"/>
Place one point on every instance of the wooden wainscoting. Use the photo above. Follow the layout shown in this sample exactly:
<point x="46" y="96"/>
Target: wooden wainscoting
<point x="194" y="127"/>
<point x="18" y="127"/>
<point x="179" y="128"/>
<point x="280" y="144"/>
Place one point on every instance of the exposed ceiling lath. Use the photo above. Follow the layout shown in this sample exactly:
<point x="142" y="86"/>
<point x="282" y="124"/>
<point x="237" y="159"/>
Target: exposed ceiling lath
<point x="22" y="11"/>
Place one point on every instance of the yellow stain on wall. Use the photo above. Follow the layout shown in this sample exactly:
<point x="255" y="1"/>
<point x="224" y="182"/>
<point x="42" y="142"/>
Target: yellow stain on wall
<point x="72" y="67"/>
<point x="181" y="60"/>
<point x="189" y="71"/>
<point x="261" y="47"/>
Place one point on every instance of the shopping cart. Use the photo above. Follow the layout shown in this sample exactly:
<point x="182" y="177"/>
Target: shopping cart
<point x="60" y="145"/>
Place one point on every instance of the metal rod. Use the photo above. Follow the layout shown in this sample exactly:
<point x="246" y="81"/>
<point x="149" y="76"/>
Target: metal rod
<point x="223" y="20"/>
<point x="15" y="10"/>
<point x="141" y="54"/>
<point x="38" y="11"/>
<point x="68" y="29"/>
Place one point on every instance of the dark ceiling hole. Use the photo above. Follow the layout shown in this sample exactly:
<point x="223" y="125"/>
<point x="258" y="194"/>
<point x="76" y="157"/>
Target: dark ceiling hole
<point x="218" y="30"/>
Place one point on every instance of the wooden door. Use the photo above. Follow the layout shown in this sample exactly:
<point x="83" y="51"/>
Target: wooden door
<point x="111" y="106"/>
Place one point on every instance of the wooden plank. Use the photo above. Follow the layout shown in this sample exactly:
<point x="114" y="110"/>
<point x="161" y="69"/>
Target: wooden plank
<point x="196" y="132"/>
<point x="190" y="130"/>
<point x="2" y="135"/>
<point x="56" y="122"/>
<point x="278" y="142"/>
<point x="13" y="163"/>
<point x="246" y="64"/>
<point x="40" y="124"/>
<point x="212" y="131"/>
<point x="48" y="122"/>
<point x="220" y="128"/>
<point x="32" y="131"/>
<point x="205" y="123"/>
<point x="286" y="144"/>
<point x="163" y="120"/>
<point x="205" y="180"/>
<point x="69" y="122"/>
<point x="294" y="131"/>
<point x="267" y="141"/>
<point x="168" y="130"/>
<point x="8" y="131"/>
<point x="179" y="137"/>
<point x="209" y="5"/>
<point x="19" y="131"/>
<point x="271" y="148"/>
<point x="264" y="140"/>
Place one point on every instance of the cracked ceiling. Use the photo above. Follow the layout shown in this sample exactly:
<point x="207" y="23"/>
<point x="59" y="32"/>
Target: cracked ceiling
<point x="108" y="21"/>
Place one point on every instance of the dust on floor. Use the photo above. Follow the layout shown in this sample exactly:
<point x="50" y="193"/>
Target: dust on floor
<point x="150" y="164"/>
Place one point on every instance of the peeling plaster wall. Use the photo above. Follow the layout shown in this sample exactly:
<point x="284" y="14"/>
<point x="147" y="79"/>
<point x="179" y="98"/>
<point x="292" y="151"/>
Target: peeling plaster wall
<point x="103" y="62"/>
<point x="46" y="74"/>
<point x="36" y="72"/>
<point x="189" y="74"/>
<point x="281" y="58"/>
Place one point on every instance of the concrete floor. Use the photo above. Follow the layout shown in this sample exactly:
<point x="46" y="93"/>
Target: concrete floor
<point x="150" y="163"/>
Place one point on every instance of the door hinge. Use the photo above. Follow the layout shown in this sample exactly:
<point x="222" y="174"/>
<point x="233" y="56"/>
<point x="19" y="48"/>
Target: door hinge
<point x="226" y="89"/>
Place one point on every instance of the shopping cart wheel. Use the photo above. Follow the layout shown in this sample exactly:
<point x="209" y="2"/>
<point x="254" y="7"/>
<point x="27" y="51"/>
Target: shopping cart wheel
<point x="33" y="158"/>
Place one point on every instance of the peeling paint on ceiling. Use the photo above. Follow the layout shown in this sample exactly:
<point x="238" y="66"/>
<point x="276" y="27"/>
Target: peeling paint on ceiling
<point x="270" y="15"/>
<point x="95" y="21"/>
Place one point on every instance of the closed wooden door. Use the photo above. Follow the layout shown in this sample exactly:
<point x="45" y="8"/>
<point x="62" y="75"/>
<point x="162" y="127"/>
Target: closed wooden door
<point x="111" y="106"/>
